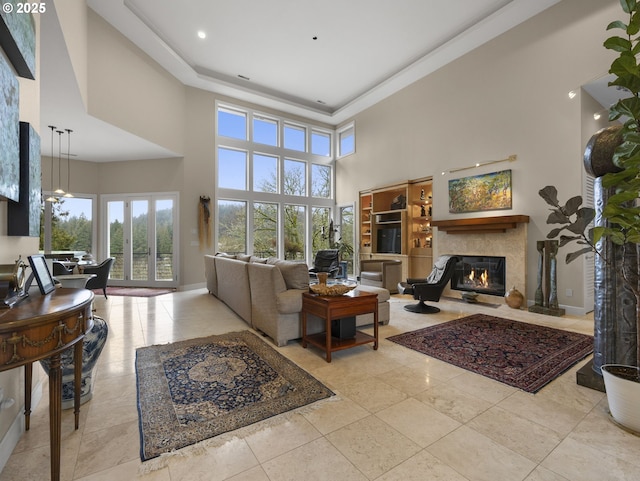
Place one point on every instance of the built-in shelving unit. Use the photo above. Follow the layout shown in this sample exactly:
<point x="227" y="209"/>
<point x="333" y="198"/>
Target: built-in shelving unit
<point x="395" y="223"/>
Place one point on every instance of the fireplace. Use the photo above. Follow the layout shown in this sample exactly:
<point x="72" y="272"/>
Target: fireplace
<point x="481" y="274"/>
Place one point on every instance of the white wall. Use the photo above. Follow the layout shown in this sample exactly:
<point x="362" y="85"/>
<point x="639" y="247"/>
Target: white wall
<point x="506" y="97"/>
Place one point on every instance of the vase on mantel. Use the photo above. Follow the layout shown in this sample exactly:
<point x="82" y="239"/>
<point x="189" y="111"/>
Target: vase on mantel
<point x="514" y="298"/>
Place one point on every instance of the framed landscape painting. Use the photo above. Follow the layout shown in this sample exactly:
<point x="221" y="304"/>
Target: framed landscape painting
<point x="480" y="192"/>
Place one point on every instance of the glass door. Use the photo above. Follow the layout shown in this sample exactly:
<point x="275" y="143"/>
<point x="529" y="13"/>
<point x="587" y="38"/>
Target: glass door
<point x="142" y="236"/>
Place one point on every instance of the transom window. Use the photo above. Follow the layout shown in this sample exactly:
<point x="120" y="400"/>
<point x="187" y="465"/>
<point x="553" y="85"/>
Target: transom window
<point x="275" y="184"/>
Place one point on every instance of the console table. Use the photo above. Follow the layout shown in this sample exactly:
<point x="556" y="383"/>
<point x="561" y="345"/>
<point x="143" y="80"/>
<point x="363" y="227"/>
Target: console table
<point x="41" y="327"/>
<point x="337" y="307"/>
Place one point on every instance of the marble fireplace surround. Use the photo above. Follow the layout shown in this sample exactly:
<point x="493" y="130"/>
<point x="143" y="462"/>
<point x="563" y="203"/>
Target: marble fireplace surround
<point x="489" y="236"/>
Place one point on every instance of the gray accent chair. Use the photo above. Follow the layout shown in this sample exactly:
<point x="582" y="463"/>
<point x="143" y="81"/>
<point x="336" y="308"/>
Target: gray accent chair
<point x="430" y="288"/>
<point x="102" y="275"/>
<point x="385" y="273"/>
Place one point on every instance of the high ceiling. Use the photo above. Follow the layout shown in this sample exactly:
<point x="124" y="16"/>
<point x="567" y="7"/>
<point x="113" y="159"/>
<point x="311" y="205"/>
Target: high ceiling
<point x="325" y="61"/>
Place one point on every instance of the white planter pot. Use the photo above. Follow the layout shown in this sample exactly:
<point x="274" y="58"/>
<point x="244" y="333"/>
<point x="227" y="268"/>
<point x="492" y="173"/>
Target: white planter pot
<point x="623" y="394"/>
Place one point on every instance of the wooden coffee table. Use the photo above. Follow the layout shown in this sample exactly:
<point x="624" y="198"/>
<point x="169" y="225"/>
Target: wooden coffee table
<point x="337" y="307"/>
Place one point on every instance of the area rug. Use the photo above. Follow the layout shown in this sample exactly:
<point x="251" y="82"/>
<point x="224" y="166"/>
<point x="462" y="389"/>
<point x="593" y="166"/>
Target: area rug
<point x="521" y="355"/>
<point x="134" y="291"/>
<point x="193" y="390"/>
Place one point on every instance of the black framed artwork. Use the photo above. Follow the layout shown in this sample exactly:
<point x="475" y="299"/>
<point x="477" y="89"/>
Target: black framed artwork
<point x="18" y="35"/>
<point x="41" y="273"/>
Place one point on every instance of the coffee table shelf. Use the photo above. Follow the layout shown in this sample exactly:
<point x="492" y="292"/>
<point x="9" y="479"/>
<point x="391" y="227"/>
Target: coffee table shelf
<point x="329" y="308"/>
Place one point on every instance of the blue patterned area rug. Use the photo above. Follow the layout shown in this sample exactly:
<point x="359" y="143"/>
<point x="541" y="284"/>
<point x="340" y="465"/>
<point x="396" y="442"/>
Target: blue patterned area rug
<point x="522" y="355"/>
<point x="193" y="390"/>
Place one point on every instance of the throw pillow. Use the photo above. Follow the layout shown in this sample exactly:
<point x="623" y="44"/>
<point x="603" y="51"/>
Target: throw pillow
<point x="243" y="257"/>
<point x="258" y="260"/>
<point x="295" y="274"/>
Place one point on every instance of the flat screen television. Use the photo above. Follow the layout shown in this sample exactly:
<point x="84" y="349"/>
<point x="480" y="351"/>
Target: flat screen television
<point x="389" y="240"/>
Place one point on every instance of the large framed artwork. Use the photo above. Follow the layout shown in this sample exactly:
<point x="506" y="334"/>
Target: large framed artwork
<point x="480" y="192"/>
<point x="24" y="216"/>
<point x="9" y="131"/>
<point x="18" y="35"/>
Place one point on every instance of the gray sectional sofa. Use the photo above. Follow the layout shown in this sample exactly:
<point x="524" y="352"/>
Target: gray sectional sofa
<point x="267" y="294"/>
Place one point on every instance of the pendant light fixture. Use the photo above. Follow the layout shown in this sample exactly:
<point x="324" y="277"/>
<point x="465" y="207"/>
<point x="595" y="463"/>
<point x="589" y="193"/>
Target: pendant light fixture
<point x="51" y="197"/>
<point x="59" y="190"/>
<point x="68" y="194"/>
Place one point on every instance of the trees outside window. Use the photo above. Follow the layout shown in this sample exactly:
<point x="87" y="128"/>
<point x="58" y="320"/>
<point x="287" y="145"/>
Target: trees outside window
<point x="272" y="201"/>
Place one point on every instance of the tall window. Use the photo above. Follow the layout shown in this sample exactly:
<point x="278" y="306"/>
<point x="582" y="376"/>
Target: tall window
<point x="346" y="140"/>
<point x="68" y="226"/>
<point x="275" y="184"/>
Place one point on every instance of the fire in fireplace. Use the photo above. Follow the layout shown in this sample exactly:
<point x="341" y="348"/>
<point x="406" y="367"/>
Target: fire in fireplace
<point x="482" y="274"/>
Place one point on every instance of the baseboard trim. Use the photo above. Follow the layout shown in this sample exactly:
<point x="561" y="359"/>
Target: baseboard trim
<point x="16" y="430"/>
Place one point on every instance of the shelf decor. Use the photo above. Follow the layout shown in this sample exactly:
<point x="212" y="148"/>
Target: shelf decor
<point x="480" y="192"/>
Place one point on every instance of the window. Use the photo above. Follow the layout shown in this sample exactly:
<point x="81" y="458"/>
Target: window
<point x="232" y="123"/>
<point x="232" y="169"/>
<point x="270" y="201"/>
<point x="346" y="140"/>
<point x="295" y="137"/>
<point x="265" y="131"/>
<point x="265" y="229"/>
<point x="294" y="232"/>
<point x="321" y="181"/>
<point x="320" y="218"/>
<point x="68" y="225"/>
<point x="320" y="143"/>
<point x="295" y="179"/>
<point x="265" y="173"/>
<point x="232" y="226"/>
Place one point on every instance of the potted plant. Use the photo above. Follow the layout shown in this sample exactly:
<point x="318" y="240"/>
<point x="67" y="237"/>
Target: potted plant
<point x="622" y="209"/>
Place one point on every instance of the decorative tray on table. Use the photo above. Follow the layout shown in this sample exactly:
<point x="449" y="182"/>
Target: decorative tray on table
<point x="331" y="289"/>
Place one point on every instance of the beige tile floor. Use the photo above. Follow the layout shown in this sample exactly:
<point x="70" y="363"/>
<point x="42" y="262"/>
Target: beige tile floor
<point x="397" y="415"/>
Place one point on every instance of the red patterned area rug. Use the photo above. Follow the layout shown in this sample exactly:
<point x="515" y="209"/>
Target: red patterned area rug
<point x="133" y="291"/>
<point x="521" y="355"/>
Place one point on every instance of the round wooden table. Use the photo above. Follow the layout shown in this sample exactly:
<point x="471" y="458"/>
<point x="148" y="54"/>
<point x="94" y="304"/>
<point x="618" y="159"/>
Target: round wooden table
<point x="42" y="327"/>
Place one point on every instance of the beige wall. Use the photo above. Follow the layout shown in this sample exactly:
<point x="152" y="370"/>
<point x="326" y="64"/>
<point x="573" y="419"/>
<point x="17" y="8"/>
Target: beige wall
<point x="506" y="97"/>
<point x="128" y="89"/>
<point x="11" y="247"/>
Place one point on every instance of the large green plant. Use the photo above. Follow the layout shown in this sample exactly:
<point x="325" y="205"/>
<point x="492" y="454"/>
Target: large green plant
<point x="622" y="209"/>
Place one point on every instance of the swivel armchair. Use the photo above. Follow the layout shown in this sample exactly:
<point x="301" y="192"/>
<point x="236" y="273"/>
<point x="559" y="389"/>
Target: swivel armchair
<point x="102" y="275"/>
<point x="430" y="288"/>
<point x="326" y="261"/>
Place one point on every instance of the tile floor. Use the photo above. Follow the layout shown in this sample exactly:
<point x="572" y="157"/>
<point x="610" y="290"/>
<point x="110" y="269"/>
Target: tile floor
<point x="397" y="415"/>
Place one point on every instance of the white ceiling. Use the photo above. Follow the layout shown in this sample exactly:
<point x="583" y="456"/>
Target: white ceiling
<point x="364" y="51"/>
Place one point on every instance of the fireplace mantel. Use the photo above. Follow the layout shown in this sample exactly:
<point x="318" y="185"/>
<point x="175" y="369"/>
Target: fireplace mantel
<point x="480" y="224"/>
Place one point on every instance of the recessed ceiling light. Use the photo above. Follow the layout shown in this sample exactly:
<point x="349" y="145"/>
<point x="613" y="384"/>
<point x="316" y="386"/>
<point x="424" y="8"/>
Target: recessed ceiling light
<point x="315" y="37"/>
<point x="202" y="34"/>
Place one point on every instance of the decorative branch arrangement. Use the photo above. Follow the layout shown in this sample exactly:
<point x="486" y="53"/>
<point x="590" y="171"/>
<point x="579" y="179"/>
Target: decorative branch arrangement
<point x="204" y="221"/>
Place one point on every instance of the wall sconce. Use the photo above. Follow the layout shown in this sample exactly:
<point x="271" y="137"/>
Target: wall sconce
<point x="511" y="158"/>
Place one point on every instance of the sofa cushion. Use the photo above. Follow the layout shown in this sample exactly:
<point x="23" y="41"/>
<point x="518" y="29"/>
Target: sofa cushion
<point x="290" y="301"/>
<point x="383" y="294"/>
<point x="224" y="254"/>
<point x="295" y="274"/>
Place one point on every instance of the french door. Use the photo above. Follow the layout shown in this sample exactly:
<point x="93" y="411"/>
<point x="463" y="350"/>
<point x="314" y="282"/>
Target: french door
<point x="141" y="232"/>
